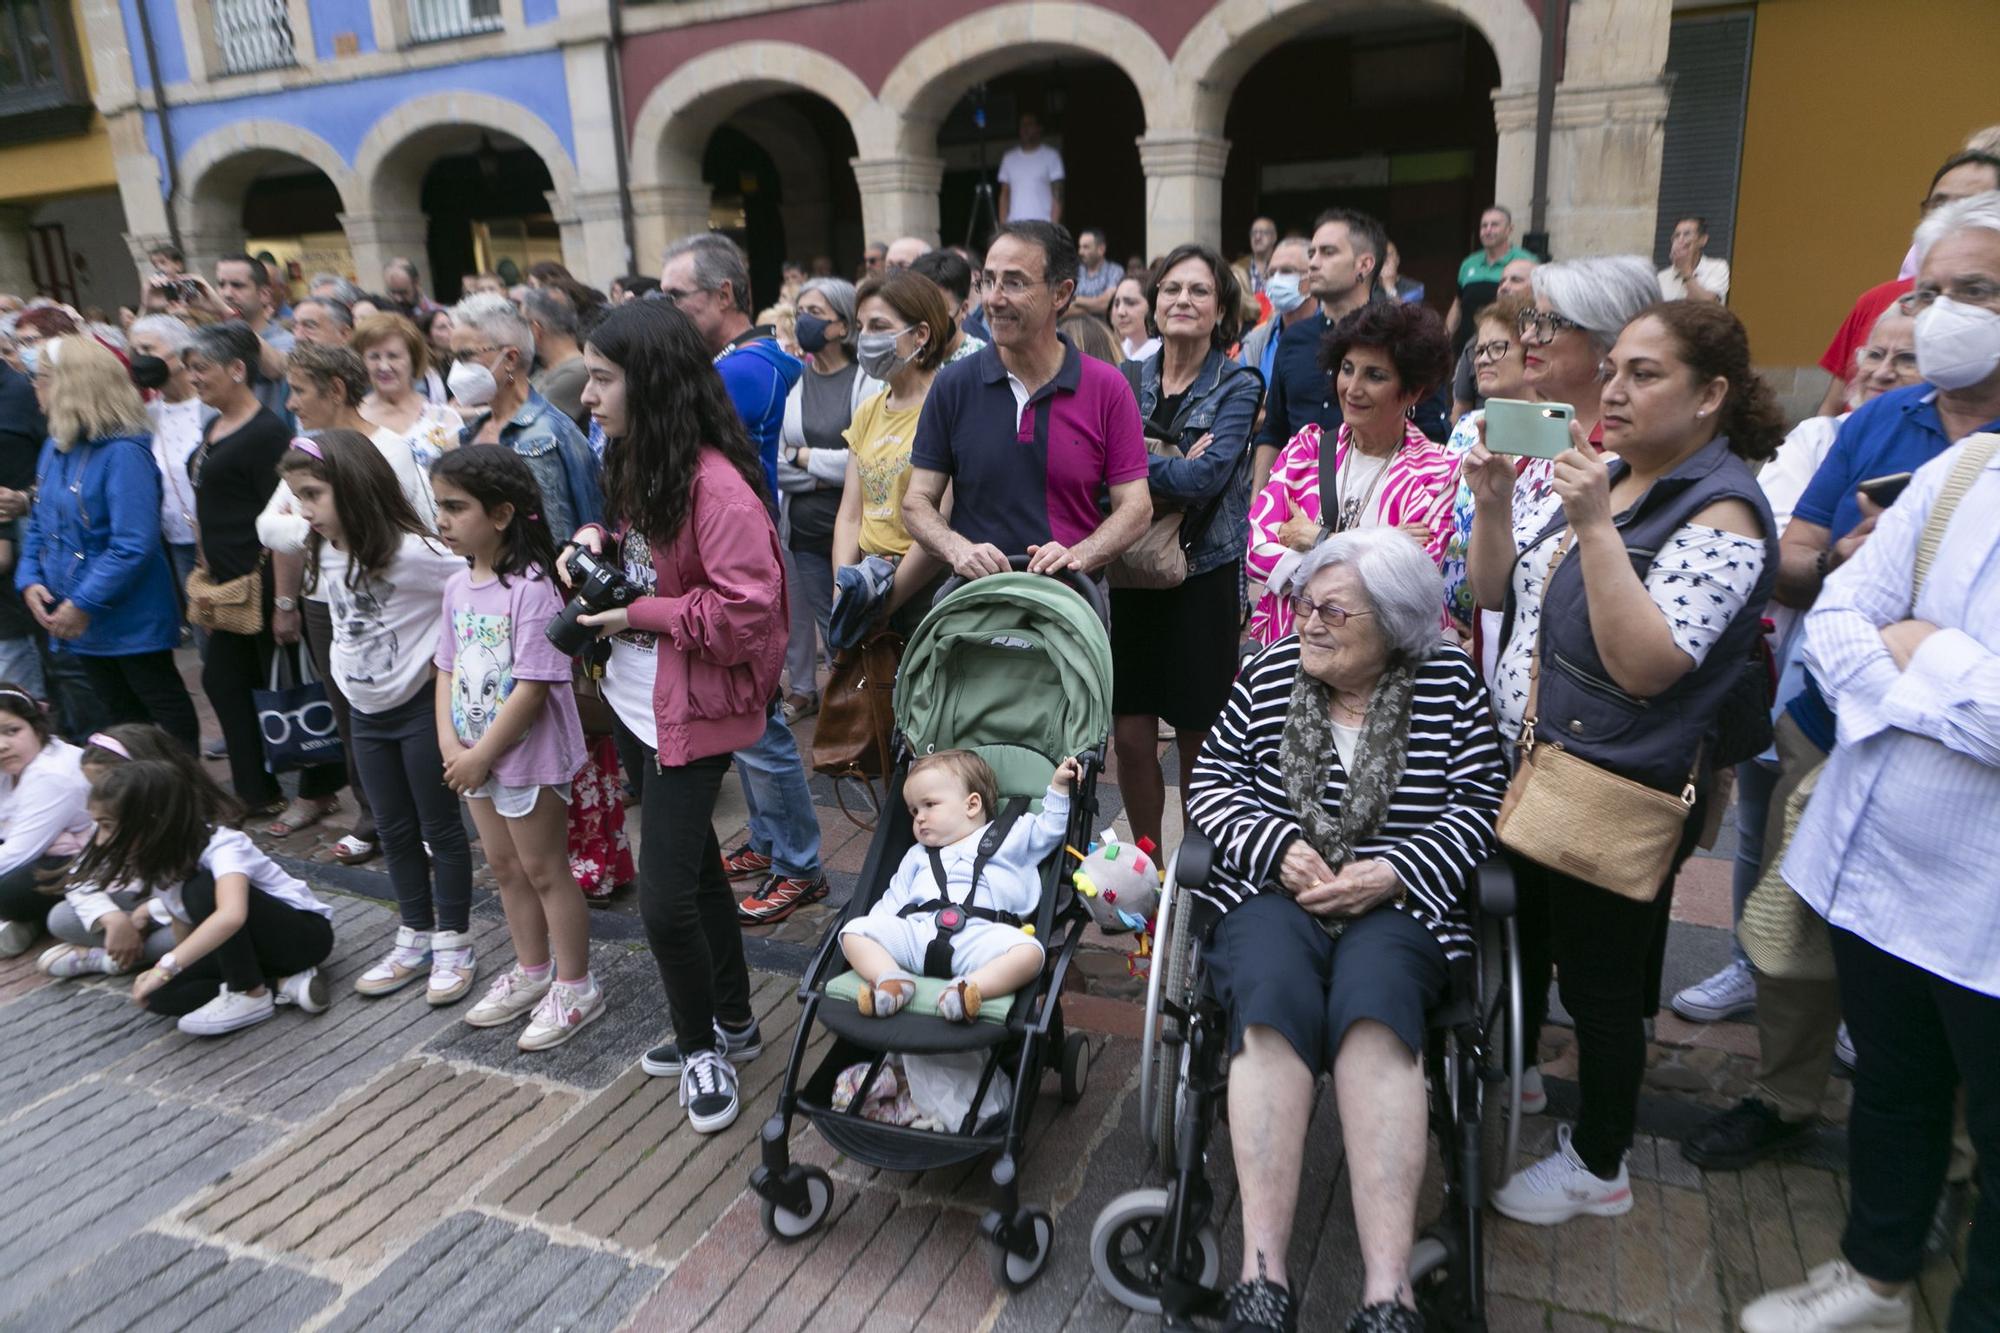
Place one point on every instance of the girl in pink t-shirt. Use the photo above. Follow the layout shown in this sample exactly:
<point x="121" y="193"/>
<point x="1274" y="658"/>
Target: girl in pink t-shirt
<point x="508" y="729"/>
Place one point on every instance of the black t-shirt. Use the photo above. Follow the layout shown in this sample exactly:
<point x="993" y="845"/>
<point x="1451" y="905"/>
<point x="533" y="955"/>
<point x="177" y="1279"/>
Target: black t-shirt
<point x="22" y="433"/>
<point x="233" y="477"/>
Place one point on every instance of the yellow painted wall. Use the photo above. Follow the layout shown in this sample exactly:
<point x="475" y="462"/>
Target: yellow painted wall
<point x="1853" y="104"/>
<point x="62" y="166"/>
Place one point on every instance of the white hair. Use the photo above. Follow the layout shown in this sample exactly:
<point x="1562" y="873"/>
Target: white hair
<point x="496" y="317"/>
<point x="1603" y="294"/>
<point x="173" y="333"/>
<point x="1976" y="211"/>
<point x="1404" y="588"/>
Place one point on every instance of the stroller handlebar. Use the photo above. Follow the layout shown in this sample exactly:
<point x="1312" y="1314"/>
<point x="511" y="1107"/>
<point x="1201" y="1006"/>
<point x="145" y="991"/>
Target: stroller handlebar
<point x="1083" y="585"/>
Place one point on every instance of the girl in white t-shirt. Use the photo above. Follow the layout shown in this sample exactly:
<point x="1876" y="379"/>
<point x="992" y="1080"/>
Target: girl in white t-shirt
<point x="245" y="933"/>
<point x="384" y="574"/>
<point x="44" y="819"/>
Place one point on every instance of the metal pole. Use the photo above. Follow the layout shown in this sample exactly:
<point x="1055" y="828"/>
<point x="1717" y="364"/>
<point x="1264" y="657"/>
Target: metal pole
<point x="1555" y="32"/>
<point x="166" y="127"/>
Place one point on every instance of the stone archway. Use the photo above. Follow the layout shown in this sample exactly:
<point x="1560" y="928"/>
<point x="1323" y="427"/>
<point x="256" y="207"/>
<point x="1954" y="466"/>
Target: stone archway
<point x="218" y="169"/>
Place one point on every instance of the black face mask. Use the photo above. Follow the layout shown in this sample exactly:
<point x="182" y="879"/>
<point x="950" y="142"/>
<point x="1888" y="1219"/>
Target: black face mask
<point x="150" y="372"/>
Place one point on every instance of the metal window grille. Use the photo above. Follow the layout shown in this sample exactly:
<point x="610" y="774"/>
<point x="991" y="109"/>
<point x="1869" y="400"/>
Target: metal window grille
<point x="442" y="20"/>
<point x="254" y="35"/>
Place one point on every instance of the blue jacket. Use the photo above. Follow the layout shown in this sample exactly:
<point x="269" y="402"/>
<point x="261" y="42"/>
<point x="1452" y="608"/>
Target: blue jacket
<point x="1222" y="401"/>
<point x="561" y="459"/>
<point x="759" y="375"/>
<point x="93" y="538"/>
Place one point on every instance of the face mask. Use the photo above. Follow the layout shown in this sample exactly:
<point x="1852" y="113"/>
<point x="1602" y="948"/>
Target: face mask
<point x="472" y="384"/>
<point x="1958" y="345"/>
<point x="30" y="357"/>
<point x="150" y="372"/>
<point x="812" y="332"/>
<point x="879" y="357"/>
<point x="1285" y="293"/>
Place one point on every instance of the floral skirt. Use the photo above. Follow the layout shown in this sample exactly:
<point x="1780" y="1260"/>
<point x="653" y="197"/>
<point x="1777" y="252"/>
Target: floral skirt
<point x="600" y="855"/>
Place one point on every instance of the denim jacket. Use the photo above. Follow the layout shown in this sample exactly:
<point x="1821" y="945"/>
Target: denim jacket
<point x="1222" y="401"/>
<point x="556" y="452"/>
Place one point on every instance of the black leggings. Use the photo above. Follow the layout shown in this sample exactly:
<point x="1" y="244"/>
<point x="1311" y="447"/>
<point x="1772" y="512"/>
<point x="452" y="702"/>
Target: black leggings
<point x="398" y="755"/>
<point x="685" y="902"/>
<point x="145" y="687"/>
<point x="20" y="899"/>
<point x="275" y="940"/>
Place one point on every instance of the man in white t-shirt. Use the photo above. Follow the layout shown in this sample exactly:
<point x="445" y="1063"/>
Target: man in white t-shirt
<point x="1691" y="275"/>
<point x="1031" y="177"/>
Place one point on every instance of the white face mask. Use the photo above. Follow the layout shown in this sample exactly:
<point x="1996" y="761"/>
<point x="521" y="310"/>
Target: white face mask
<point x="1958" y="345"/>
<point x="1285" y="293"/>
<point x="472" y="383"/>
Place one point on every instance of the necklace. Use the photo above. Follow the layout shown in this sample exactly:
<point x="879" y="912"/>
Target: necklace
<point x="1352" y="507"/>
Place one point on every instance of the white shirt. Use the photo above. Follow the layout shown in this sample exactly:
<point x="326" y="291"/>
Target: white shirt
<point x="634" y="664"/>
<point x="1899" y="842"/>
<point x="282" y="529"/>
<point x="1710" y="272"/>
<point x="386" y="627"/>
<point x="1138" y="351"/>
<point x="45" y="811"/>
<point x="176" y="435"/>
<point x="1011" y="881"/>
<point x="1030" y="175"/>
<point x="230" y="852"/>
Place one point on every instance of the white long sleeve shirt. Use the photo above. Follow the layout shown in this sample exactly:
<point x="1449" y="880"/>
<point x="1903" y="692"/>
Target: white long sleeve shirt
<point x="45" y="811"/>
<point x="1011" y="881"/>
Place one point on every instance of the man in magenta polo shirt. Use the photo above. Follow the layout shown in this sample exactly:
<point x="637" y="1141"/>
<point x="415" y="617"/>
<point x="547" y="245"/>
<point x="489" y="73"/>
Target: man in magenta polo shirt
<point x="1029" y="433"/>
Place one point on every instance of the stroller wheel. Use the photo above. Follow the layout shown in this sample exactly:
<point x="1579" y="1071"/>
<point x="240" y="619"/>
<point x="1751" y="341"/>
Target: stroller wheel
<point x="1122" y="1246"/>
<point x="786" y="1225"/>
<point x="1075" y="1067"/>
<point x="1014" y="1271"/>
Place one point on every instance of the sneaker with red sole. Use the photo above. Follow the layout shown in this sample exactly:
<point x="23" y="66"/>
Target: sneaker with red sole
<point x="781" y="897"/>
<point x="746" y="863"/>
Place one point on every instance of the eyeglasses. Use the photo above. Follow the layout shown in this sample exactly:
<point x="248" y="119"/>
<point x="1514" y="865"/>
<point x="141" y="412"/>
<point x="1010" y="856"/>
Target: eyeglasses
<point x="487" y="350"/>
<point x="674" y="294"/>
<point x="1013" y="285"/>
<point x="1542" y="325"/>
<point x="1871" y="359"/>
<point x="1491" y="351"/>
<point x="1199" y="291"/>
<point x="1305" y="608"/>
<point x="1965" y="291"/>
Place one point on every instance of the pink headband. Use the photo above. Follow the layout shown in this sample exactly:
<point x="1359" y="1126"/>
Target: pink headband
<point x="308" y="447"/>
<point x="111" y="743"/>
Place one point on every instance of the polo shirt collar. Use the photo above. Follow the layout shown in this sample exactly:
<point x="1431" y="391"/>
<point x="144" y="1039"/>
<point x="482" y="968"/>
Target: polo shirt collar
<point x="1067" y="377"/>
<point x="1924" y="407"/>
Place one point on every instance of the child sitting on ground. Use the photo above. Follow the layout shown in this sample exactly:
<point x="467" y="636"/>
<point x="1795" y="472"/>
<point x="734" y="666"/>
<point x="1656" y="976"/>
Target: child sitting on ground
<point x="952" y="796"/>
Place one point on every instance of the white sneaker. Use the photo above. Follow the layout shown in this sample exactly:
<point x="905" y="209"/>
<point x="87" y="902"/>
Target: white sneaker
<point x="227" y="1012"/>
<point x="514" y="994"/>
<point x="1833" y="1299"/>
<point x="17" y="936"/>
<point x="306" y="990"/>
<point x="563" y="1013"/>
<point x="1534" y="1098"/>
<point x="68" y="960"/>
<point x="405" y="963"/>
<point x="708" y="1091"/>
<point x="1560" y="1187"/>
<point x="1728" y="994"/>
<point x="452" y="967"/>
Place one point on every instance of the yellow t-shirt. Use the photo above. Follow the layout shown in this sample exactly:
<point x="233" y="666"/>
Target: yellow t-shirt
<point x="880" y="440"/>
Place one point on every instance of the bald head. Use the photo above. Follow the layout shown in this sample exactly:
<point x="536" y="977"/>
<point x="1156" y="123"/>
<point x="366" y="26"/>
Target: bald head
<point x="907" y="250"/>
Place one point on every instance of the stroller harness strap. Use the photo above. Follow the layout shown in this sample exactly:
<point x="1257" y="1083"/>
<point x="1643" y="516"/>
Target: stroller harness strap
<point x="952" y="916"/>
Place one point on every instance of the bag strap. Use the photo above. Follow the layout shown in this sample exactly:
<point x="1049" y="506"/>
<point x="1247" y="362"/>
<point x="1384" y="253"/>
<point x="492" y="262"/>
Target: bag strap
<point x="1526" y="740"/>
<point x="1971" y="461"/>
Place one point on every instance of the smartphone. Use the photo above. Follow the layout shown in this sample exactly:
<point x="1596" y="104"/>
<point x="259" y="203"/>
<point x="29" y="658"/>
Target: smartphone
<point x="1884" y="490"/>
<point x="1527" y="430"/>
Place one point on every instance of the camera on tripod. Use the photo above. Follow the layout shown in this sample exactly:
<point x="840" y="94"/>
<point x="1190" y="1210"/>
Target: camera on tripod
<point x="600" y="586"/>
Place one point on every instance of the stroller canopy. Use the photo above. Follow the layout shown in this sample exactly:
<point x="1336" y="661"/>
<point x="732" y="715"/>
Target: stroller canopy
<point x="1014" y="666"/>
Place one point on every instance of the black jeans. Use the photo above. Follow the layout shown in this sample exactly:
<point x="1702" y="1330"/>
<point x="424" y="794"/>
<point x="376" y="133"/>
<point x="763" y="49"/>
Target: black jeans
<point x="397" y="753"/>
<point x="319" y="642"/>
<point x="275" y="940"/>
<point x="685" y="902"/>
<point x="236" y="665"/>
<point x="1608" y="952"/>
<point x="20" y="899"/>
<point x="145" y="687"/>
<point x="1916" y="1036"/>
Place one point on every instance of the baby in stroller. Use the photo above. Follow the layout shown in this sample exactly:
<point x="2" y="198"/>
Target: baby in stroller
<point x="955" y="905"/>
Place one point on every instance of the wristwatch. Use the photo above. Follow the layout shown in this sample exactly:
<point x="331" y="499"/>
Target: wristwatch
<point x="167" y="966"/>
<point x="285" y="603"/>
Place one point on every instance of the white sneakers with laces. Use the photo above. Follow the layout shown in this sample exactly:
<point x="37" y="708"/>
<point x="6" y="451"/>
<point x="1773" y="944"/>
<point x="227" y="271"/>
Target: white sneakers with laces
<point x="1730" y="993"/>
<point x="565" y="1011"/>
<point x="227" y="1012"/>
<point x="1833" y="1299"/>
<point x="514" y="994"/>
<point x="305" y="990"/>
<point x="1560" y="1187"/>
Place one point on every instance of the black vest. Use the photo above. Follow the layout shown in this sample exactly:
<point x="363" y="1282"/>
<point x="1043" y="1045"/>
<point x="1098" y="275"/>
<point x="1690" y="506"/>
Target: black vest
<point x="1580" y="707"/>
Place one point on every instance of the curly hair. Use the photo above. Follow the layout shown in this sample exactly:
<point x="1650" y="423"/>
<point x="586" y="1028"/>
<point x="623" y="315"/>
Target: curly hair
<point x="1712" y="342"/>
<point x="1411" y="334"/>
<point x="1228" y="298"/>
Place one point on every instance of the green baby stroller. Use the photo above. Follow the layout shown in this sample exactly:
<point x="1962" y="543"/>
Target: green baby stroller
<point x="1016" y="667"/>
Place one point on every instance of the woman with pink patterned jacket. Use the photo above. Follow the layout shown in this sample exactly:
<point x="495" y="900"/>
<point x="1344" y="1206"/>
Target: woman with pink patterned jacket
<point x="1381" y="470"/>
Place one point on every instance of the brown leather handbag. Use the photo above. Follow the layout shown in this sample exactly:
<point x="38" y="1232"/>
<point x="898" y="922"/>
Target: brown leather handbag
<point x="855" y="733"/>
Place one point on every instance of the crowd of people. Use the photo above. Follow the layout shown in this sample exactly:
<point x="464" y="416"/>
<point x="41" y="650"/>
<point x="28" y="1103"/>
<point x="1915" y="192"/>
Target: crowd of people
<point x="1392" y="581"/>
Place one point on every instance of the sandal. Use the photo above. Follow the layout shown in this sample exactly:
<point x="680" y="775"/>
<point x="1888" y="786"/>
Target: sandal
<point x="352" y="851"/>
<point x="301" y="814"/>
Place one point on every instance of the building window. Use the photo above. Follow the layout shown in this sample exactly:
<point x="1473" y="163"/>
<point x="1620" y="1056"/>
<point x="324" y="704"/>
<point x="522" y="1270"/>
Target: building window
<point x="41" y="85"/>
<point x="442" y="20"/>
<point x="253" y="34"/>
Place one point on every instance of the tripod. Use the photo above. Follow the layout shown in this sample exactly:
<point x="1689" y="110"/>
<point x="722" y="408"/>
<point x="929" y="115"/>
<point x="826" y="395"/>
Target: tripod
<point x="982" y="192"/>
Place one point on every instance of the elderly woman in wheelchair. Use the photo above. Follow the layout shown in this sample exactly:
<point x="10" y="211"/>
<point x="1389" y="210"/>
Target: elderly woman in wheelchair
<point x="1350" y="789"/>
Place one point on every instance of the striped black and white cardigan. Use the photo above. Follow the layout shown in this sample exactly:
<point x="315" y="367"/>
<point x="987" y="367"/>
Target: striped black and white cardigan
<point x="1440" y="822"/>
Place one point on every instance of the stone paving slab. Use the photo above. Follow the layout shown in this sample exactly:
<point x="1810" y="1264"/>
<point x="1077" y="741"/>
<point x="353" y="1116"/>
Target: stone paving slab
<point x="474" y="1271"/>
<point x="156" y="1282"/>
<point x="55" y="1035"/>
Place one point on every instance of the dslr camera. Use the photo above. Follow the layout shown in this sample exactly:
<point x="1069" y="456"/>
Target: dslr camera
<point x="600" y="586"/>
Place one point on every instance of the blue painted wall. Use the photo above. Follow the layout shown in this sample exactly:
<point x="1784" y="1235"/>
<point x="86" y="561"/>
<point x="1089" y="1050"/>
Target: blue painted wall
<point x="166" y="41"/>
<point x="538" y="11"/>
<point x="336" y="16"/>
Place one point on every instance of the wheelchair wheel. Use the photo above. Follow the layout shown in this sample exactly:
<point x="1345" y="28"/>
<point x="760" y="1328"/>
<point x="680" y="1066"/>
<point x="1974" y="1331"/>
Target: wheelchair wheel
<point x="1176" y="957"/>
<point x="1120" y="1246"/>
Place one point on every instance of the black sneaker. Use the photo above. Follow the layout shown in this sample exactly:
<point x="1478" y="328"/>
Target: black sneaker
<point x="1742" y="1136"/>
<point x="664" y="1060"/>
<point x="708" y="1091"/>
<point x="1385" y="1317"/>
<point x="1259" y="1304"/>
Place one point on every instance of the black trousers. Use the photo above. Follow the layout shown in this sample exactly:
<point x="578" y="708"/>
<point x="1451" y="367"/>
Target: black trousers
<point x="275" y="940"/>
<point x="1916" y="1036"/>
<point x="318" y="619"/>
<point x="21" y="899"/>
<point x="685" y="902"/>
<point x="1608" y="953"/>
<point x="145" y="687"/>
<point x="236" y="665"/>
<point x="401" y="765"/>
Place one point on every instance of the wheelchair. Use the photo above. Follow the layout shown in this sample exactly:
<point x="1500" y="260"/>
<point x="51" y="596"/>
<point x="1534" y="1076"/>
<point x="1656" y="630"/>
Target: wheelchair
<point x="1155" y="1249"/>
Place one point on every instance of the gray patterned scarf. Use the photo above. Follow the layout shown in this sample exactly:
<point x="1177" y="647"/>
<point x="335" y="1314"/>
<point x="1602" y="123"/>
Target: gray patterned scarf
<point x="1306" y="757"/>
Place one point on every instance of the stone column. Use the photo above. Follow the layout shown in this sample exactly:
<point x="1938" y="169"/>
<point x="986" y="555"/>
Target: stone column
<point x="376" y="238"/>
<point x="1514" y="165"/>
<point x="662" y="214"/>
<point x="16" y="276"/>
<point x="593" y="235"/>
<point x="899" y="197"/>
<point x="1604" y="167"/>
<point x="1183" y="187"/>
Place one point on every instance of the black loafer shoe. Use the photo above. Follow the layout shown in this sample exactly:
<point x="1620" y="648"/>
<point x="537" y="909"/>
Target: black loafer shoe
<point x="1742" y="1136"/>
